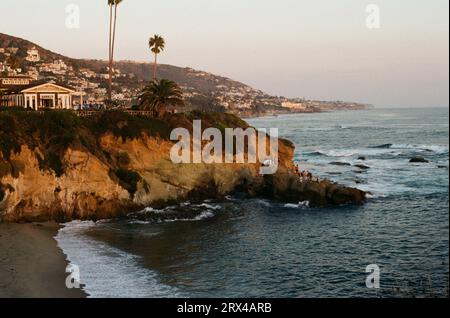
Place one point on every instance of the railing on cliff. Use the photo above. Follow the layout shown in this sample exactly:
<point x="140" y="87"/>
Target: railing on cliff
<point x="91" y="113"/>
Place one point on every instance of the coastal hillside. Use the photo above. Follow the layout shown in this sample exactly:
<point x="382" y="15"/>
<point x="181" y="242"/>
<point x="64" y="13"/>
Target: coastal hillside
<point x="203" y="91"/>
<point x="57" y="166"/>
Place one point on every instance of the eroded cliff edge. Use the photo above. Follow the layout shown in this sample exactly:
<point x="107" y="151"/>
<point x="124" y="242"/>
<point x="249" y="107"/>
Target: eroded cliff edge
<point x="56" y="166"/>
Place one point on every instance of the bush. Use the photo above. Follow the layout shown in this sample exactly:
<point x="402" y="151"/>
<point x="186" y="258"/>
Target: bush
<point x="128" y="179"/>
<point x="127" y="126"/>
<point x="53" y="162"/>
<point x="123" y="159"/>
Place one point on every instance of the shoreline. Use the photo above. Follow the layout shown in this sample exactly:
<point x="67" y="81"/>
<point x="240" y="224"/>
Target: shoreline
<point x="31" y="263"/>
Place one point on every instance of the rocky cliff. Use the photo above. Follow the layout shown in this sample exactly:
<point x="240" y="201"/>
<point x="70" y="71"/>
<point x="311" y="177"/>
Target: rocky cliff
<point x="55" y="166"/>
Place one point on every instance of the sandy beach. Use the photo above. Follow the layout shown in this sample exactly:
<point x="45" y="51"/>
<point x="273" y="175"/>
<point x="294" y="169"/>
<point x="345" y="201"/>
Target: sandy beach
<point x="31" y="263"/>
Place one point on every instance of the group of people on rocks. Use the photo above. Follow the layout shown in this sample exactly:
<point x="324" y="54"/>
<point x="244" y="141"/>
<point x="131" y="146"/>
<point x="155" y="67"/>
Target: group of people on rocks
<point x="304" y="175"/>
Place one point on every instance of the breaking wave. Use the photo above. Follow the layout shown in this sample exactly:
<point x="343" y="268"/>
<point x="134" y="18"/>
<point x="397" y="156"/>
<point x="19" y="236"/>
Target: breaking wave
<point x="106" y="271"/>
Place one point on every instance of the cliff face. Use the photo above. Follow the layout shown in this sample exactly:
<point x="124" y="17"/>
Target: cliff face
<point x="40" y="181"/>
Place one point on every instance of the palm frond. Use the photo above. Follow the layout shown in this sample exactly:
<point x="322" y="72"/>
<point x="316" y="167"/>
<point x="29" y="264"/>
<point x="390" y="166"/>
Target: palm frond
<point x="159" y="94"/>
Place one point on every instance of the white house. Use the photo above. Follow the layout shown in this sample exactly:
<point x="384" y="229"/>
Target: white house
<point x="33" y="55"/>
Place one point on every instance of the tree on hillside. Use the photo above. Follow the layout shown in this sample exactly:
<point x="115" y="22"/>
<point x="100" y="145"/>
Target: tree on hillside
<point x="157" y="45"/>
<point x="13" y="62"/>
<point x="158" y="96"/>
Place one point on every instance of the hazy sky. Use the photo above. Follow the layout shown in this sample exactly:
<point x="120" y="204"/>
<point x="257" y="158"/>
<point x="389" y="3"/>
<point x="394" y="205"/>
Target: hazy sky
<point x="318" y="49"/>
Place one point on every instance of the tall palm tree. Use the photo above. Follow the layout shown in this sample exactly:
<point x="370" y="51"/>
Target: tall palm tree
<point x="158" y="95"/>
<point x="112" y="40"/>
<point x="110" y="5"/>
<point x="157" y="45"/>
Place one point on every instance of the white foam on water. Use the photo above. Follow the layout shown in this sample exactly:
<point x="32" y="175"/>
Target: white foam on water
<point x="394" y="149"/>
<point x="138" y="222"/>
<point x="202" y="216"/>
<point x="438" y="149"/>
<point x="304" y="204"/>
<point x="107" y="271"/>
<point x="210" y="206"/>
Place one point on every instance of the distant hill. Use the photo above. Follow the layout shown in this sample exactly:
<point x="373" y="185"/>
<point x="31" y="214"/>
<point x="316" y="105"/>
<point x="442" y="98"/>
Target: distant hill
<point x="203" y="90"/>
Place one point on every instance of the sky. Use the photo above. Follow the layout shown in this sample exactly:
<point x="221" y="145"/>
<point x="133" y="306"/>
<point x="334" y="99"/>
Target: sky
<point x="317" y="49"/>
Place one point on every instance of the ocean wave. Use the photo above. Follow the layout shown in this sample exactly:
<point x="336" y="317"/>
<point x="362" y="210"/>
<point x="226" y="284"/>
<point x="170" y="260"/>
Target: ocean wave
<point x="264" y="202"/>
<point x="209" y="206"/>
<point x="335" y="153"/>
<point x="304" y="204"/>
<point x="105" y="271"/>
<point x="438" y="149"/>
<point x="384" y="146"/>
<point x="184" y="212"/>
<point x="384" y="149"/>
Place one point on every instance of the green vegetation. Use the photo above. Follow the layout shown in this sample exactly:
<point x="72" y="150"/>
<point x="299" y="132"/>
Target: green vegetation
<point x="127" y="126"/>
<point x="123" y="159"/>
<point x="158" y="95"/>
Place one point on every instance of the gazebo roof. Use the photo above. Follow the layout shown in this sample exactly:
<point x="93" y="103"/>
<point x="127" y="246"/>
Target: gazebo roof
<point x="17" y="89"/>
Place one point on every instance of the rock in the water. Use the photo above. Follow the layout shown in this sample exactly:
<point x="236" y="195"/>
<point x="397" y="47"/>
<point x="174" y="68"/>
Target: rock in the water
<point x="362" y="158"/>
<point x="287" y="188"/>
<point x="339" y="163"/>
<point x="418" y="159"/>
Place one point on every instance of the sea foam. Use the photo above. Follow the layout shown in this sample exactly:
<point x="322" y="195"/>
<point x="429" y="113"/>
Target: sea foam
<point x="107" y="271"/>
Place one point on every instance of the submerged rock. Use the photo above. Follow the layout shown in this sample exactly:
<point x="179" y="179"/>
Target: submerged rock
<point x="340" y="163"/>
<point x="418" y="159"/>
<point x="363" y="167"/>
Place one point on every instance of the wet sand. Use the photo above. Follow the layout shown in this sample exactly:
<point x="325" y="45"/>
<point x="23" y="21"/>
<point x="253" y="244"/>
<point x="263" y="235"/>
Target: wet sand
<point x="31" y="263"/>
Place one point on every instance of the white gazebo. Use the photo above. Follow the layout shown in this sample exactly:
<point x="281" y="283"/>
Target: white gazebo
<point x="38" y="96"/>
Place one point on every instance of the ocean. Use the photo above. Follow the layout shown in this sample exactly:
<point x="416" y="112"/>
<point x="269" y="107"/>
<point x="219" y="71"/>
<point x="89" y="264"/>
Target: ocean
<point x="259" y="248"/>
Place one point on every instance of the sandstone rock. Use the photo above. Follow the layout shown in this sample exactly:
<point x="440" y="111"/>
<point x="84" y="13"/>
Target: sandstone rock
<point x="88" y="188"/>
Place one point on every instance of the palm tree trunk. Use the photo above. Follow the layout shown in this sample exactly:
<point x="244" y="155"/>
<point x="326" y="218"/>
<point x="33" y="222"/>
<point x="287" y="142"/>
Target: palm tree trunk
<point x="114" y="35"/>
<point x="155" y="66"/>
<point x="110" y="52"/>
<point x="111" y="61"/>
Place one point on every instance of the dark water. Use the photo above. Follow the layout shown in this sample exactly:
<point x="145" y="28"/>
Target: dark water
<point x="245" y="248"/>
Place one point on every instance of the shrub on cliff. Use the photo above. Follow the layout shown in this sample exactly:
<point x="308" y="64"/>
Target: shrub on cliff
<point x="128" y="179"/>
<point x="123" y="159"/>
<point x="127" y="126"/>
<point x="52" y="132"/>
